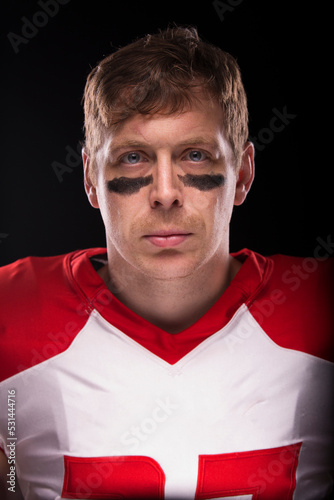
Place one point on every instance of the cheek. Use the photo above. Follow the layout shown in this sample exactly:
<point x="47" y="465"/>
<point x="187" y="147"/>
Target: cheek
<point x="216" y="208"/>
<point x="113" y="214"/>
<point x="208" y="205"/>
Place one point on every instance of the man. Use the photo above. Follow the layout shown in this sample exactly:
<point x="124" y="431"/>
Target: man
<point x="162" y="366"/>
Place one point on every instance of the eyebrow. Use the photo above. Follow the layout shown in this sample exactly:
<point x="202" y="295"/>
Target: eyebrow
<point x="200" y="140"/>
<point x="135" y="144"/>
<point x="129" y="143"/>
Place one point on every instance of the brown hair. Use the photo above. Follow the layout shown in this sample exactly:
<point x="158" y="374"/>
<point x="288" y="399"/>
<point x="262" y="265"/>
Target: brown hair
<point x="160" y="73"/>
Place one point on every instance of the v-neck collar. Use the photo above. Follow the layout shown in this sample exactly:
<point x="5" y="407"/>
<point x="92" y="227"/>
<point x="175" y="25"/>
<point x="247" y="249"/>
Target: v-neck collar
<point x="251" y="277"/>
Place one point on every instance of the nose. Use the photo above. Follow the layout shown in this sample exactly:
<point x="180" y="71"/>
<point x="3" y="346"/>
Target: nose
<point x="166" y="189"/>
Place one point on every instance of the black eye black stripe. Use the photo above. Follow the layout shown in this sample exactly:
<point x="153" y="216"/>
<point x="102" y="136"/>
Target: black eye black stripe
<point x="128" y="185"/>
<point x="203" y="182"/>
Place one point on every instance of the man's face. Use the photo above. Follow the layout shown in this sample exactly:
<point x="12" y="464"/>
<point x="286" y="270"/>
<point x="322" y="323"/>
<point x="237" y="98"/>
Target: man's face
<point x="166" y="186"/>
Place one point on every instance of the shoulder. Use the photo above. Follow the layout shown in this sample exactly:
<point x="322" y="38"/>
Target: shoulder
<point x="27" y="285"/>
<point x="299" y="272"/>
<point x="41" y="311"/>
<point x="29" y="272"/>
<point x="295" y="308"/>
<point x="307" y="283"/>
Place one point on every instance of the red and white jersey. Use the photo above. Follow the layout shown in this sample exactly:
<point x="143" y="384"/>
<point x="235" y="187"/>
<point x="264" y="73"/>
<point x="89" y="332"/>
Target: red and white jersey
<point x="109" y="406"/>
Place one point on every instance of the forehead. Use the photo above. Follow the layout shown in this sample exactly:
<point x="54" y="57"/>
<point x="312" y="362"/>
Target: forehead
<point x="201" y="122"/>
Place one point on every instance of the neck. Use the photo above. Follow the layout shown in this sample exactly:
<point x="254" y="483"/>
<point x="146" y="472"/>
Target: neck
<point x="175" y="304"/>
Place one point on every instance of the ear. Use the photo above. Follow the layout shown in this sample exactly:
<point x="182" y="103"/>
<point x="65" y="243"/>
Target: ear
<point x="89" y="180"/>
<point x="245" y="175"/>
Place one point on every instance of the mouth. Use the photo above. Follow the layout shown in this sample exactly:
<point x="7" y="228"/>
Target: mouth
<point x="170" y="238"/>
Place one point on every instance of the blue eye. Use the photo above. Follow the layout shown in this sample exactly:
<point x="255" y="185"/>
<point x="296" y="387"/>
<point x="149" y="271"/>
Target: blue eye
<point x="132" y="158"/>
<point x="196" y="155"/>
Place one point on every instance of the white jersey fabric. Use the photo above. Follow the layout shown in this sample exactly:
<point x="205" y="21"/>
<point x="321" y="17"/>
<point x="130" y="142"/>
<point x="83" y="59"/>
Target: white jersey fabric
<point x="108" y="406"/>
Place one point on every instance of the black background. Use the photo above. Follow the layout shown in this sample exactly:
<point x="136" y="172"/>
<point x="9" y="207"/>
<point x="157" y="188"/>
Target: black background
<point x="284" y="56"/>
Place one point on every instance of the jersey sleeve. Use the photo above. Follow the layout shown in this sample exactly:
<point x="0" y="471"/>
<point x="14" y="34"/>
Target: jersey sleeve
<point x="296" y="308"/>
<point x="36" y="318"/>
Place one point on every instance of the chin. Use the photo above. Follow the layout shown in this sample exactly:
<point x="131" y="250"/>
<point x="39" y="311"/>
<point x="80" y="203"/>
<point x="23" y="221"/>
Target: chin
<point x="170" y="267"/>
